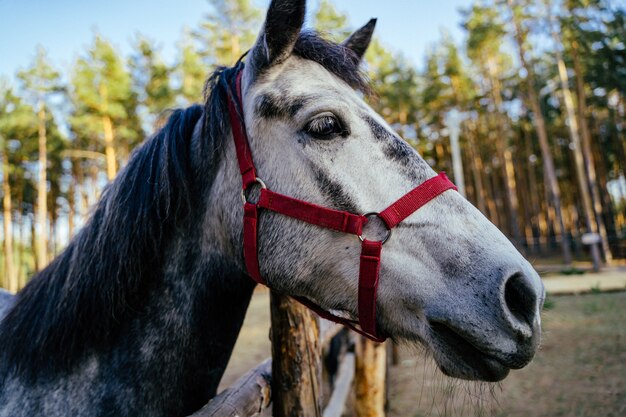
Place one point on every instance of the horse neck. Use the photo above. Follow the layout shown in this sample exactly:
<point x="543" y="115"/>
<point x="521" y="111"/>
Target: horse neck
<point x="200" y="307"/>
<point x="172" y="341"/>
<point x="201" y="300"/>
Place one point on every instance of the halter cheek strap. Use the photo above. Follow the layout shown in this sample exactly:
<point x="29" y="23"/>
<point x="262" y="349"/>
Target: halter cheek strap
<point x="339" y="221"/>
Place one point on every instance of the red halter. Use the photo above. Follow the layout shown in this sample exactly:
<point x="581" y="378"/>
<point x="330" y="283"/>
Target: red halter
<point x="340" y="221"/>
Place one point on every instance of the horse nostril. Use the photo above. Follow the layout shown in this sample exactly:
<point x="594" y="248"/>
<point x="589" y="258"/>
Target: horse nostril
<point x="520" y="299"/>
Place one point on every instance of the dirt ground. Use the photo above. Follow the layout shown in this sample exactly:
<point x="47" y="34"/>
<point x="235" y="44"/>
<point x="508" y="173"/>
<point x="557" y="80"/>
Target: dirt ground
<point x="580" y="370"/>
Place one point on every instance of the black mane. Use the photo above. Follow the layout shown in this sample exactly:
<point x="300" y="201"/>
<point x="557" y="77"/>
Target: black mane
<point x="77" y="303"/>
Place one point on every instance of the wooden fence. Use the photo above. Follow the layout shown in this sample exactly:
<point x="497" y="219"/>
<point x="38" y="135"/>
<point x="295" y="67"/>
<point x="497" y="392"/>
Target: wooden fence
<point x="295" y="383"/>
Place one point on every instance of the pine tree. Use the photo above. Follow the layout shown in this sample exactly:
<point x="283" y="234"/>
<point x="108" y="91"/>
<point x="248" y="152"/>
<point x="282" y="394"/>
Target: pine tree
<point x="18" y="134"/>
<point x="190" y="71"/>
<point x="103" y="100"/>
<point x="532" y="97"/>
<point x="331" y="23"/>
<point x="151" y="81"/>
<point x="484" y="47"/>
<point x="228" y="30"/>
<point x="39" y="82"/>
<point x="572" y="124"/>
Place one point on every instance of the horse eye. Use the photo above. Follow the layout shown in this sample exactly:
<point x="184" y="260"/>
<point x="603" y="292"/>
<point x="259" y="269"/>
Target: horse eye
<point x="324" y="127"/>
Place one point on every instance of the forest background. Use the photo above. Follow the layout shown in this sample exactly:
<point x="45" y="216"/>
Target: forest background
<point x="534" y="91"/>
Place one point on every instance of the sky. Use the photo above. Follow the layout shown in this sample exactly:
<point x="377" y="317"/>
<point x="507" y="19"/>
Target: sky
<point x="65" y="28"/>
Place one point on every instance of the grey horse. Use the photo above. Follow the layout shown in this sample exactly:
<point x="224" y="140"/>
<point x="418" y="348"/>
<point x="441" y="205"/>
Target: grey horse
<point x="140" y="313"/>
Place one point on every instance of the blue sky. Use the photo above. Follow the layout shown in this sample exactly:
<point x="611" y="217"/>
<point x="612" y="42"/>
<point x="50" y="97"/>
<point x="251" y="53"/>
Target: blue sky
<point x="66" y="27"/>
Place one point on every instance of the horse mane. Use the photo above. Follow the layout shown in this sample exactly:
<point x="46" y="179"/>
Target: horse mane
<point x="76" y="304"/>
<point x="77" y="301"/>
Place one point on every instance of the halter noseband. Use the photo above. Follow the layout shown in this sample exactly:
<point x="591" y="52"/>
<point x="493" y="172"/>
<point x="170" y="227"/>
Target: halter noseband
<point x="340" y="221"/>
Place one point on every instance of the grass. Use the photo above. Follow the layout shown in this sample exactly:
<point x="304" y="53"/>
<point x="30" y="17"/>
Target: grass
<point x="572" y="271"/>
<point x="549" y="303"/>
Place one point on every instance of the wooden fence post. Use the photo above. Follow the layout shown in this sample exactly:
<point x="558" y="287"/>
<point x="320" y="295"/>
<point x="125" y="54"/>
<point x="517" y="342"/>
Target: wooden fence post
<point x="296" y="359"/>
<point x="371" y="364"/>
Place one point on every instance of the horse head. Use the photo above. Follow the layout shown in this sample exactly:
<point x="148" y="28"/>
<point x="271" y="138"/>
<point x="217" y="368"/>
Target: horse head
<point x="449" y="279"/>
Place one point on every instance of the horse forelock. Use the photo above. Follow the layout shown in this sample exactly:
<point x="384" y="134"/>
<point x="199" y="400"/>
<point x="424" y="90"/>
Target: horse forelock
<point x="76" y="303"/>
<point x="341" y="61"/>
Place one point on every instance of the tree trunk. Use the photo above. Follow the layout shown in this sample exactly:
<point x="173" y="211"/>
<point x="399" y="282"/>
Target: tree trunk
<point x="609" y="211"/>
<point x="583" y="180"/>
<point x="109" y="136"/>
<point x="620" y="153"/>
<point x="542" y="134"/>
<point x="10" y="278"/>
<point x="538" y="219"/>
<point x="527" y="212"/>
<point x="109" y="147"/>
<point x="235" y="49"/>
<point x="505" y="156"/>
<point x="71" y="202"/>
<point x="296" y="359"/>
<point x="371" y="364"/>
<point x="588" y="154"/>
<point x="492" y="199"/>
<point x="21" y="270"/>
<point x="33" y="243"/>
<point x="41" y="241"/>
<point x="477" y="168"/>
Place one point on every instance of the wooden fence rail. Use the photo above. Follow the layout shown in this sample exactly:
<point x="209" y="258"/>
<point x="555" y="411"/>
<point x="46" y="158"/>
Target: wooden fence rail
<point x="250" y="395"/>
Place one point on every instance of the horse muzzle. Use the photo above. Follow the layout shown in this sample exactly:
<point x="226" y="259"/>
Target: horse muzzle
<point x="481" y="345"/>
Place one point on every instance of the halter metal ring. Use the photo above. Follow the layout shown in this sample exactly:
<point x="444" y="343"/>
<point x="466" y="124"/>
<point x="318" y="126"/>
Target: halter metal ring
<point x="387" y="236"/>
<point x="257" y="180"/>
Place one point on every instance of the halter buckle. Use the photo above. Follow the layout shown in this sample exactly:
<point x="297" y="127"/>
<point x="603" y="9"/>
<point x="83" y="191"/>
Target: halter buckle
<point x="387" y="236"/>
<point x="257" y="180"/>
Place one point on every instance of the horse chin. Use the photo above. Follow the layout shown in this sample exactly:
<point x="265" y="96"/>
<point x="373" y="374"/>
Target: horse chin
<point x="459" y="358"/>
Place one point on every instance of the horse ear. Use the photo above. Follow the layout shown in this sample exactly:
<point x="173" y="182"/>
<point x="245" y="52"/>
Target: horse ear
<point x="280" y="31"/>
<point x="360" y="40"/>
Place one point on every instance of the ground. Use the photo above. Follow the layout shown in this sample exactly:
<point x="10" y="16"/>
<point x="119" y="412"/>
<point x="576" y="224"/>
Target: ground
<point x="579" y="371"/>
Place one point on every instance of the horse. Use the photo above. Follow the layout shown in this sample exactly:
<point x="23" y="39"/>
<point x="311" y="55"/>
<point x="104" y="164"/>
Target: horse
<point x="140" y="313"/>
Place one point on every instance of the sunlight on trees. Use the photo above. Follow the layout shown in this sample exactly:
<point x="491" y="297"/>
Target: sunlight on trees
<point x="539" y="86"/>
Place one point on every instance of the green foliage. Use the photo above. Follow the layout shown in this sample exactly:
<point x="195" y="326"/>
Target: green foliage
<point x="394" y="80"/>
<point x="41" y="78"/>
<point x="101" y="87"/>
<point x="396" y="85"/>
<point x="228" y="31"/>
<point x="599" y="30"/>
<point x="573" y="271"/>
<point x="330" y="22"/>
<point x="477" y="77"/>
<point x="485" y="37"/>
<point x="151" y="79"/>
<point x="18" y="140"/>
<point x="40" y="82"/>
<point x="101" y="83"/>
<point x="191" y="72"/>
<point x="549" y="303"/>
